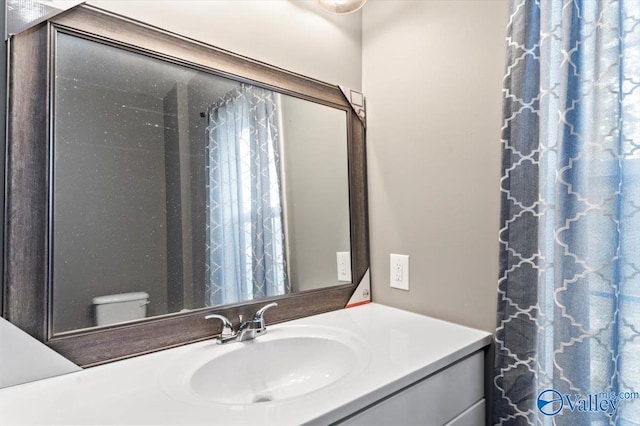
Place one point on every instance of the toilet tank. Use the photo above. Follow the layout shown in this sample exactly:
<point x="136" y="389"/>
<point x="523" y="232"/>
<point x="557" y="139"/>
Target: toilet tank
<point x="121" y="307"/>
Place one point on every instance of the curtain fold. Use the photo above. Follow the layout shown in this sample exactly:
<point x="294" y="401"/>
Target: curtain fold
<point x="568" y="322"/>
<point x="245" y="251"/>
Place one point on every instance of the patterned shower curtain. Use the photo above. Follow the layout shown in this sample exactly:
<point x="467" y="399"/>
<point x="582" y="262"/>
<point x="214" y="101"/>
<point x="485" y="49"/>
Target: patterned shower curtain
<point x="245" y="251"/>
<point x="568" y="328"/>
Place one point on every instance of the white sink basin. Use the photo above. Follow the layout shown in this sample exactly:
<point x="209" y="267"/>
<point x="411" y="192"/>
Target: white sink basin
<point x="287" y="362"/>
<point x="273" y="370"/>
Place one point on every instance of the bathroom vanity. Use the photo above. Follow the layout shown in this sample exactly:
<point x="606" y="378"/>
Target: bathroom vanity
<point x="369" y="364"/>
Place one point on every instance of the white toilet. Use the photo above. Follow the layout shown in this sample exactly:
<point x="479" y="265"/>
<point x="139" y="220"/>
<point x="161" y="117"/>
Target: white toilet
<point x="121" y="307"/>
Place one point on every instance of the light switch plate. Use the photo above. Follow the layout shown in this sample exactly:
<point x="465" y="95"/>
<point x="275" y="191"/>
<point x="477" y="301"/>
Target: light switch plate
<point x="399" y="271"/>
<point x="344" y="265"/>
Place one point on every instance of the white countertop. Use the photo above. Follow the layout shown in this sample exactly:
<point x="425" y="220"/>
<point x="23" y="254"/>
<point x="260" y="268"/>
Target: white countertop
<point x="403" y="348"/>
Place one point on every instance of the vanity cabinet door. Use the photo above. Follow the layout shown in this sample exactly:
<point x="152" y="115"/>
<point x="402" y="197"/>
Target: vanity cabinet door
<point x="436" y="400"/>
<point x="472" y="416"/>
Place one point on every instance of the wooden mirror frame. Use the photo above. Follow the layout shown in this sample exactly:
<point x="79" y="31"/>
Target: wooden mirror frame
<point x="27" y="281"/>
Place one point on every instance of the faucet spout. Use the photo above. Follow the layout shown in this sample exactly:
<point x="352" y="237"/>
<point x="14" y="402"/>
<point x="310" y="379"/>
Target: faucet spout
<point x="227" y="333"/>
<point x="248" y="330"/>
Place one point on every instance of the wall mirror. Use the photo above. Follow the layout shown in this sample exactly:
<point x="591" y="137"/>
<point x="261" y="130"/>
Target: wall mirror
<point x="190" y="189"/>
<point x="148" y="169"/>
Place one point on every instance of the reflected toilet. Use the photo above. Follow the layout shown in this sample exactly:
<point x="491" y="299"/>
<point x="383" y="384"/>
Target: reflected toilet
<point x="115" y="308"/>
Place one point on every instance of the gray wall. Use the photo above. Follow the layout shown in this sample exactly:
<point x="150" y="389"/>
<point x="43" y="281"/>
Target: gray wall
<point x="178" y="191"/>
<point x="317" y="191"/>
<point x="432" y="74"/>
<point x="292" y="34"/>
<point x="109" y="177"/>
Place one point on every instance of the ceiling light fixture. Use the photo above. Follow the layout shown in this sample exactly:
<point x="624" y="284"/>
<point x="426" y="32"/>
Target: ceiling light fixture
<point x="341" y="7"/>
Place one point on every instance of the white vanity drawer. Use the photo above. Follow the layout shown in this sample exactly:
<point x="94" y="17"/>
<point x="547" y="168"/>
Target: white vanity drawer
<point x="434" y="400"/>
<point x="472" y="416"/>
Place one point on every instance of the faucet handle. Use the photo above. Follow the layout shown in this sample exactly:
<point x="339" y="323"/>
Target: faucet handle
<point x="259" y="315"/>
<point x="227" y="327"/>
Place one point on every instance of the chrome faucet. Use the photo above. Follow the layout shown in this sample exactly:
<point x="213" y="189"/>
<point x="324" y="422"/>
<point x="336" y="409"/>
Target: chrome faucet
<point x="228" y="334"/>
<point x="248" y="330"/>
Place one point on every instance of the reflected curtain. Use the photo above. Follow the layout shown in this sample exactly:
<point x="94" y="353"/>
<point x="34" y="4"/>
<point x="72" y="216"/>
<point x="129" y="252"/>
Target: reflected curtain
<point x="245" y="251"/>
<point x="569" y="292"/>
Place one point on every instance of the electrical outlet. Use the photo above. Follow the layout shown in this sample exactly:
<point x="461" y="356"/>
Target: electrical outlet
<point x="344" y="265"/>
<point x="399" y="271"/>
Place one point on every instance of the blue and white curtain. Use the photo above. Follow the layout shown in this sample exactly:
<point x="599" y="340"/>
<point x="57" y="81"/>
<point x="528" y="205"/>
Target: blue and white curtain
<point x="245" y="250"/>
<point x="568" y="328"/>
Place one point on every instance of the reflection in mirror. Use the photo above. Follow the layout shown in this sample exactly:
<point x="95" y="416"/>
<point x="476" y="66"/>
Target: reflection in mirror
<point x="176" y="189"/>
